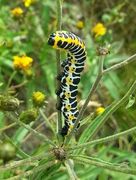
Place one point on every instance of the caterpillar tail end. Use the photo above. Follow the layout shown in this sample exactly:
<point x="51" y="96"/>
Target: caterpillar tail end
<point x="64" y="131"/>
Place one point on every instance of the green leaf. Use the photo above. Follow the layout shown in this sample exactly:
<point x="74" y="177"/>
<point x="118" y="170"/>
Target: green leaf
<point x="2" y="120"/>
<point x="131" y="101"/>
<point x="90" y="131"/>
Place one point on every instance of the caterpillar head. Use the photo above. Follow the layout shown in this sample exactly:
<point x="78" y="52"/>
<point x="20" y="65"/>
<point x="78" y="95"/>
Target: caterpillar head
<point x="56" y="39"/>
<point x="51" y="40"/>
<point x="64" y="40"/>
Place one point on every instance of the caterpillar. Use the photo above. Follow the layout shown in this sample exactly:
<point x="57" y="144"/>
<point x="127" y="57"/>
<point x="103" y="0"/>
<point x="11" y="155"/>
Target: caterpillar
<point x="70" y="76"/>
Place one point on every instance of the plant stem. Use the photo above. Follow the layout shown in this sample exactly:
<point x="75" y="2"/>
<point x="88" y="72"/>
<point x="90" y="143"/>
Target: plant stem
<point x="8" y="127"/>
<point x="48" y="124"/>
<point x="117" y="168"/>
<point x="10" y="79"/>
<point x="19" y="151"/>
<point x="26" y="161"/>
<point x="92" y="90"/>
<point x="105" y="139"/>
<point x="41" y="136"/>
<point x="114" y="108"/>
<point x="19" y="85"/>
<point x="58" y="57"/>
<point x="22" y="174"/>
<point x="121" y="64"/>
<point x="31" y="172"/>
<point x="71" y="172"/>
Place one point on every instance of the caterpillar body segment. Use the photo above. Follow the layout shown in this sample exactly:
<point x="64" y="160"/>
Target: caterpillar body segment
<point x="70" y="76"/>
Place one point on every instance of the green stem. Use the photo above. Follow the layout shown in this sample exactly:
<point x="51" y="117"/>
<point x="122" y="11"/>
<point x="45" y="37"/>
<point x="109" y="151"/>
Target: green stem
<point x="46" y="121"/>
<point x="105" y="139"/>
<point x="70" y="170"/>
<point x="31" y="172"/>
<point x="20" y="152"/>
<point x="8" y="127"/>
<point x="117" y="168"/>
<point x="19" y="85"/>
<point x="41" y="136"/>
<point x="23" y="162"/>
<point x="58" y="57"/>
<point x="22" y="174"/>
<point x="92" y="90"/>
<point x="114" y="108"/>
<point x="121" y="64"/>
<point x="10" y="79"/>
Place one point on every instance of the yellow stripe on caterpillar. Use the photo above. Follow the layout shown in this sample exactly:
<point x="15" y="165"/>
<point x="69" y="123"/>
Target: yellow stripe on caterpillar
<point x="69" y="81"/>
<point x="68" y="40"/>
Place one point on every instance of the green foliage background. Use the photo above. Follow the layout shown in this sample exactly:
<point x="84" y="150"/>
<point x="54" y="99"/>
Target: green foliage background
<point x="29" y="34"/>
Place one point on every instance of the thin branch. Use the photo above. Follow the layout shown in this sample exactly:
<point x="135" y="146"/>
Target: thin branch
<point x="48" y="124"/>
<point x="105" y="139"/>
<point x="23" y="162"/>
<point x="31" y="172"/>
<point x="10" y="79"/>
<point x="117" y="168"/>
<point x="114" y="108"/>
<point x="121" y="64"/>
<point x="18" y="149"/>
<point x="8" y="127"/>
<point x="58" y="57"/>
<point x="71" y="172"/>
<point x="19" y="85"/>
<point x="41" y="136"/>
<point x="92" y="90"/>
<point x="21" y="174"/>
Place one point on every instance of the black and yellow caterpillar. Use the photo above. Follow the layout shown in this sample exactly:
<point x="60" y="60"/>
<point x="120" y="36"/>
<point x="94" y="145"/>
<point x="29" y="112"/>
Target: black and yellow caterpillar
<point x="70" y="76"/>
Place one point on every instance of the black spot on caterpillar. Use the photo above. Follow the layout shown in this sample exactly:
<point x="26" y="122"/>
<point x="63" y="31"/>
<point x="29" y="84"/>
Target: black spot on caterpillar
<point x="70" y="76"/>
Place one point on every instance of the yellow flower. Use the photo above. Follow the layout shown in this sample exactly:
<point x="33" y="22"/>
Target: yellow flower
<point x="17" y="11"/>
<point x="80" y="24"/>
<point x="27" y="3"/>
<point x="23" y="62"/>
<point x="99" y="30"/>
<point x="38" y="98"/>
<point x="100" y="110"/>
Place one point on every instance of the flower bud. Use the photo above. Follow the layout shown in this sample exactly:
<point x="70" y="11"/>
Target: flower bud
<point x="7" y="151"/>
<point x="103" y="51"/>
<point x="38" y="98"/>
<point x="29" y="74"/>
<point x="8" y="103"/>
<point x="100" y="110"/>
<point x="28" y="115"/>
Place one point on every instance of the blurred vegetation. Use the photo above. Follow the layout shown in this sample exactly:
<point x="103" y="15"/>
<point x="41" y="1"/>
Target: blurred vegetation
<point x="24" y="34"/>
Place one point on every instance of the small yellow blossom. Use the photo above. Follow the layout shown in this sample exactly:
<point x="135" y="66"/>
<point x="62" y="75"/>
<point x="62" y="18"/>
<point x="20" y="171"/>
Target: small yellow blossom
<point x="28" y="3"/>
<point x="99" y="30"/>
<point x="23" y="62"/>
<point x="17" y="11"/>
<point x="29" y="73"/>
<point x="38" y="98"/>
<point x="80" y="24"/>
<point x="100" y="110"/>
